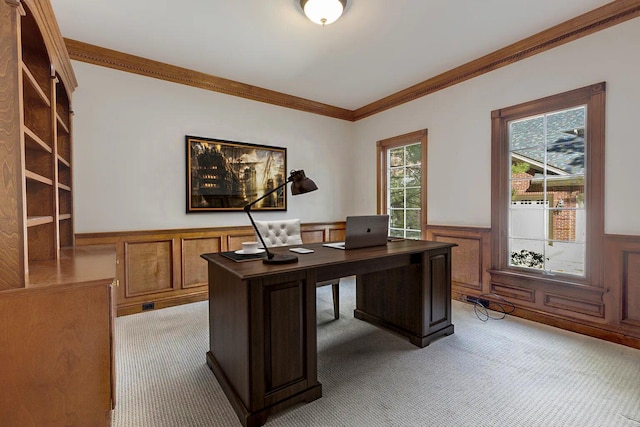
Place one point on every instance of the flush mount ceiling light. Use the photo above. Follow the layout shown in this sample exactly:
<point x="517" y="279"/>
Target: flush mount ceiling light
<point x="323" y="12"/>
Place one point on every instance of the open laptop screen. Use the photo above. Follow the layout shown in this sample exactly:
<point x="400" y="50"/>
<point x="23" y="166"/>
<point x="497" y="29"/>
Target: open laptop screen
<point x="364" y="231"/>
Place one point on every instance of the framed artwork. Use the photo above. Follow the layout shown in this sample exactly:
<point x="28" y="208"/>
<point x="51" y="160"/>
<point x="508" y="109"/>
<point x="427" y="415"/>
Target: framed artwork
<point x="228" y="175"/>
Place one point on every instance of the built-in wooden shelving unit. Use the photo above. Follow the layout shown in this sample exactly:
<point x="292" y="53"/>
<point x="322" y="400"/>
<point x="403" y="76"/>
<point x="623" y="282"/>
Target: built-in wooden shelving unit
<point x="38" y="220"/>
<point x="56" y="301"/>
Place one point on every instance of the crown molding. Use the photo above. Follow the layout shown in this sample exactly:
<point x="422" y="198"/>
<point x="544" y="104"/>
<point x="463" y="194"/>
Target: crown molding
<point x="97" y="55"/>
<point x="583" y="25"/>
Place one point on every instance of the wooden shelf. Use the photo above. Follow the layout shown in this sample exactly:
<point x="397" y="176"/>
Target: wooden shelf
<point x="39" y="220"/>
<point x="61" y="123"/>
<point x="39" y="178"/>
<point x="43" y="82"/>
<point x="34" y="84"/>
<point x="33" y="141"/>
<point x="63" y="161"/>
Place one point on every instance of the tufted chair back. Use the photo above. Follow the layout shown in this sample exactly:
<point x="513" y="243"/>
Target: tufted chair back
<point x="280" y="232"/>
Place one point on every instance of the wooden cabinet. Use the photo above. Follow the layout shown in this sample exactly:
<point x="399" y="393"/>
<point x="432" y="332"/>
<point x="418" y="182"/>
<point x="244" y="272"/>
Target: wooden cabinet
<point x="56" y="342"/>
<point x="36" y="184"/>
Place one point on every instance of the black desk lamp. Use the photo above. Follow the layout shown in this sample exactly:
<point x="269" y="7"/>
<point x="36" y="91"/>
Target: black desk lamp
<point x="300" y="185"/>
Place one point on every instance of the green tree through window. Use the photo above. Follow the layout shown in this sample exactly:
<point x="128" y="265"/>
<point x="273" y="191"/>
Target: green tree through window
<point x="405" y="198"/>
<point x="402" y="180"/>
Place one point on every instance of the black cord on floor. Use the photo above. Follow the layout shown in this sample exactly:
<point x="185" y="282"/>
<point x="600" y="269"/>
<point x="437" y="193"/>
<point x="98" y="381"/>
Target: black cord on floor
<point x="493" y="302"/>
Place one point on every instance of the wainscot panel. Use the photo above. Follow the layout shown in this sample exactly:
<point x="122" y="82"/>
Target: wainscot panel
<point x="470" y="259"/>
<point x="622" y="277"/>
<point x="194" y="268"/>
<point x="148" y="268"/>
<point x="163" y="268"/>
<point x="611" y="312"/>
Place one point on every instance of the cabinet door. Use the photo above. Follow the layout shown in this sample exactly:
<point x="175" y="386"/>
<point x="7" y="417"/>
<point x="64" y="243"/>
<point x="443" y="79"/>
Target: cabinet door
<point x="56" y="355"/>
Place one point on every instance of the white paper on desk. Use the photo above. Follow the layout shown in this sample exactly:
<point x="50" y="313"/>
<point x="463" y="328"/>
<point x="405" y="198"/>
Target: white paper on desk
<point x="301" y="250"/>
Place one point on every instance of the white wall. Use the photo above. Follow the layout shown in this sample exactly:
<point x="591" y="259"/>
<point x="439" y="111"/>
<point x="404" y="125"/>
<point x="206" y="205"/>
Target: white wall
<point x="129" y="149"/>
<point x="130" y="158"/>
<point x="458" y="120"/>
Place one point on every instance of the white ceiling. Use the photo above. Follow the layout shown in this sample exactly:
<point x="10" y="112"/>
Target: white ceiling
<point x="375" y="49"/>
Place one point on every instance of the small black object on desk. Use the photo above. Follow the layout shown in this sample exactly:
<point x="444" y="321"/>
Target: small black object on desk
<point x="232" y="255"/>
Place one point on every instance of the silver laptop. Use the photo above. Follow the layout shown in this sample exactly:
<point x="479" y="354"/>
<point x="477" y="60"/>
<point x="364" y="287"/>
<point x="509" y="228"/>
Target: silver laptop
<point x="364" y="231"/>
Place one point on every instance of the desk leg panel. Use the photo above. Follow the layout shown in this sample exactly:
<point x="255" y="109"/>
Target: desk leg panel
<point x="437" y="292"/>
<point x="263" y="348"/>
<point x="413" y="300"/>
<point x="259" y="416"/>
<point x="229" y="331"/>
<point x="283" y="337"/>
<point x="391" y="297"/>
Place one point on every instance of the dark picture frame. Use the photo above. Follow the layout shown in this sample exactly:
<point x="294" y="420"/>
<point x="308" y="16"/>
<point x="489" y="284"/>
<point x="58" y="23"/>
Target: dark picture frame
<point x="225" y="176"/>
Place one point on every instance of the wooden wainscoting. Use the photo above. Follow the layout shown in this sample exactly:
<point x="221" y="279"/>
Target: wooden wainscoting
<point x="470" y="260"/>
<point x="163" y="268"/>
<point x="611" y="313"/>
<point x="622" y="278"/>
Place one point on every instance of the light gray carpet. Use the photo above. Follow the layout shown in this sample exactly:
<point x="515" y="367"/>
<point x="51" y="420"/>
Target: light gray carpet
<point x="509" y="372"/>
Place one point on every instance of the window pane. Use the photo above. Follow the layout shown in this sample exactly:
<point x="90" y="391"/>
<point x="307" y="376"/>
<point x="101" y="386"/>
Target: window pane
<point x="414" y="198"/>
<point x="416" y="235"/>
<point x="414" y="176"/>
<point x="413" y="219"/>
<point x="396" y="233"/>
<point x="567" y="258"/>
<point x="522" y="167"/>
<point x="526" y="133"/>
<point x="565" y="122"/>
<point x="534" y="157"/>
<point x="396" y="177"/>
<point x="396" y="218"/>
<point x="396" y="157"/>
<point x="397" y="198"/>
<point x="527" y="220"/>
<point x="524" y="190"/>
<point x="526" y="253"/>
<point x="566" y="192"/>
<point x="414" y="154"/>
<point x="566" y="156"/>
<point x="568" y="225"/>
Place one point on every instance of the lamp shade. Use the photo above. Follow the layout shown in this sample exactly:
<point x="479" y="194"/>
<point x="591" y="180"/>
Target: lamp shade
<point x="323" y="12"/>
<point x="300" y="184"/>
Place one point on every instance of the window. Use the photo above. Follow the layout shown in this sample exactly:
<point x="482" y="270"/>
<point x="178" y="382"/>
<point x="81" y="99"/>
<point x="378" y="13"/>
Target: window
<point x="402" y="183"/>
<point x="548" y="187"/>
<point x="546" y="213"/>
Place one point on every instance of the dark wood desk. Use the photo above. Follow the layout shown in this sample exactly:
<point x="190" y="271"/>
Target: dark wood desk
<point x="262" y="318"/>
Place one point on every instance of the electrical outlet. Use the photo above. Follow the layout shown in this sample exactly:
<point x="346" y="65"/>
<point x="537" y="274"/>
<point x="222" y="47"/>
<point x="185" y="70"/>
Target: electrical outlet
<point x="148" y="306"/>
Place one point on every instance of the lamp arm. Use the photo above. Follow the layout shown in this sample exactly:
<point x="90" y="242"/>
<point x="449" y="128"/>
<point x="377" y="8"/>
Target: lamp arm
<point x="247" y="209"/>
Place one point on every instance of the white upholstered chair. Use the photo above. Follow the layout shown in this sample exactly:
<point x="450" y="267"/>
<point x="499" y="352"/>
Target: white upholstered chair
<point x="286" y="233"/>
